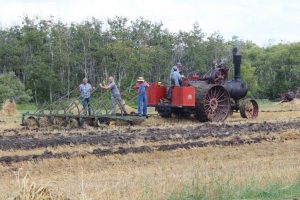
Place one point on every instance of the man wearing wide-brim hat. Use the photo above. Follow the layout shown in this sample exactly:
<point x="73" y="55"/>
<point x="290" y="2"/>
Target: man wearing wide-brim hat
<point x="141" y="86"/>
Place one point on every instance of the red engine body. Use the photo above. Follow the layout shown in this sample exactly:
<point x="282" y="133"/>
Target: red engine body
<point x="155" y="93"/>
<point x="184" y="96"/>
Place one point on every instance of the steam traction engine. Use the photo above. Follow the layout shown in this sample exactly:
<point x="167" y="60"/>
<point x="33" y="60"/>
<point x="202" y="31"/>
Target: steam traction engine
<point x="208" y="97"/>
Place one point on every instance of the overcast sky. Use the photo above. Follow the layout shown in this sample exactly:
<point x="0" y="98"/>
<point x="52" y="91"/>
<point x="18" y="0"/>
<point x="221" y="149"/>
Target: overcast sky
<point x="256" y="20"/>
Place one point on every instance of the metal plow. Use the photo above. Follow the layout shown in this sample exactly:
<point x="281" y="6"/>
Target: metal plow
<point x="67" y="111"/>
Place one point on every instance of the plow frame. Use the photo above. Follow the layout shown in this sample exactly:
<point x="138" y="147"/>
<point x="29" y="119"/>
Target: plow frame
<point x="61" y="109"/>
<point x="104" y="119"/>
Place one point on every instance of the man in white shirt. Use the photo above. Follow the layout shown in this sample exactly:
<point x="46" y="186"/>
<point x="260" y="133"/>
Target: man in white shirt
<point x="85" y="93"/>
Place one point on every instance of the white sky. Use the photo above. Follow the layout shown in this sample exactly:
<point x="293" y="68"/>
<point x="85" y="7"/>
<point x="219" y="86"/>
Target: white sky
<point x="256" y="20"/>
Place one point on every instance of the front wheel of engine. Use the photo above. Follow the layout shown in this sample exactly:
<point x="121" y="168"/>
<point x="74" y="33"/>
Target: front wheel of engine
<point x="249" y="109"/>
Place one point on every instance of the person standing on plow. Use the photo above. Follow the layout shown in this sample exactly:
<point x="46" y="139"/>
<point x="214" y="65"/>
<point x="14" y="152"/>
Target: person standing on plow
<point x="85" y="93"/>
<point x="141" y="86"/>
<point x="115" y="96"/>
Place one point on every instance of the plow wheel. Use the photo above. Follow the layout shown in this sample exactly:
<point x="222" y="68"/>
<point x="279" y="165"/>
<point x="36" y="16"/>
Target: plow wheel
<point x="58" y="121"/>
<point x="31" y="122"/>
<point x="164" y="110"/>
<point x="72" y="123"/>
<point x="213" y="104"/>
<point x="249" y="109"/>
<point x="45" y="122"/>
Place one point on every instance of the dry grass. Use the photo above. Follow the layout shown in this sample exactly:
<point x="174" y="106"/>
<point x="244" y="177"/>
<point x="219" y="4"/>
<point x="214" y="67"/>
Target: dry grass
<point x="154" y="175"/>
<point x="292" y="105"/>
<point x="9" y="108"/>
<point x="26" y="189"/>
<point x="157" y="175"/>
<point x="130" y="109"/>
<point x="75" y="108"/>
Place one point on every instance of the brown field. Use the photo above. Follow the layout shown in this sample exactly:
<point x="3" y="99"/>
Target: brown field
<point x="153" y="160"/>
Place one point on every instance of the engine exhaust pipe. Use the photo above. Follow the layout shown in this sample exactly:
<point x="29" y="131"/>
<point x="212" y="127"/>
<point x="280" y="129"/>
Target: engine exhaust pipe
<point x="237" y="60"/>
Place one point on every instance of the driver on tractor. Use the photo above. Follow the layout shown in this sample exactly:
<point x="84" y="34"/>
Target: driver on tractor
<point x="176" y="80"/>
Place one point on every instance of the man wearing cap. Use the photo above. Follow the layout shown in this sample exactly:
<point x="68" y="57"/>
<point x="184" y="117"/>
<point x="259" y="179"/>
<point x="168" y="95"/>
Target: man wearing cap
<point x="115" y="96"/>
<point x="141" y="86"/>
<point x="85" y="93"/>
<point x="176" y="80"/>
<point x="178" y="66"/>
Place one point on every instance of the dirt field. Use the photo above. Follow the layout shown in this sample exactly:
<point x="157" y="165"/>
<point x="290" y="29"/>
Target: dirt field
<point x="154" y="160"/>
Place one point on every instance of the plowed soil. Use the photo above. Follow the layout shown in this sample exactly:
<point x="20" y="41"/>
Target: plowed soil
<point x="139" y="140"/>
<point x="159" y="157"/>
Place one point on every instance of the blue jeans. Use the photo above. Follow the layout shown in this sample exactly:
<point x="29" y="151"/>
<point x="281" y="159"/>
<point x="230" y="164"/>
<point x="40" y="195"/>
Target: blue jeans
<point x="86" y="104"/>
<point x="142" y="104"/>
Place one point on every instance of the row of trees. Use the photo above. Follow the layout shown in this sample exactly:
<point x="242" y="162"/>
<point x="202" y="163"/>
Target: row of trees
<point x="51" y="58"/>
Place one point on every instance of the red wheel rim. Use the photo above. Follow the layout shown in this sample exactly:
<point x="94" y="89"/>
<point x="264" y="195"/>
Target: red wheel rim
<point x="251" y="109"/>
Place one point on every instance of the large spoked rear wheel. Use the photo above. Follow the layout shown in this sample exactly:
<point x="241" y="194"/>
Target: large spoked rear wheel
<point x="215" y="105"/>
<point x="249" y="109"/>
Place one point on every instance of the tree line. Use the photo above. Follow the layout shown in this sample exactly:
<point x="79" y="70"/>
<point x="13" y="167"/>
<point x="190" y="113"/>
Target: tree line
<point x="51" y="58"/>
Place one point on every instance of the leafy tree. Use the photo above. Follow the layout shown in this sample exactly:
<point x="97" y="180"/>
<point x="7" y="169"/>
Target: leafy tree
<point x="50" y="58"/>
<point x="12" y="88"/>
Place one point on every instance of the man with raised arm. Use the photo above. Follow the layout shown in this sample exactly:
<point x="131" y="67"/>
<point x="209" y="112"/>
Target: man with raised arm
<point x="115" y="96"/>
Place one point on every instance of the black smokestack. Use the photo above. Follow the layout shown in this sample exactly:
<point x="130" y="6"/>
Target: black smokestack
<point x="237" y="60"/>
